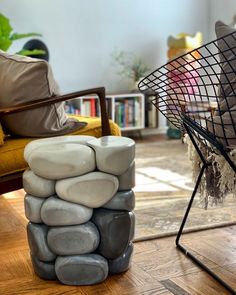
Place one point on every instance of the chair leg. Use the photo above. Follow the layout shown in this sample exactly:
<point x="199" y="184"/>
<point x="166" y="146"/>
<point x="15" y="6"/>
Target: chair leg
<point x="185" y="250"/>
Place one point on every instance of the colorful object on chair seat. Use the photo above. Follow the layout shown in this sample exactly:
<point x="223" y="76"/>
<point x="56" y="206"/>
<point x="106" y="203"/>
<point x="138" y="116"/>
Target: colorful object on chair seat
<point x="183" y="68"/>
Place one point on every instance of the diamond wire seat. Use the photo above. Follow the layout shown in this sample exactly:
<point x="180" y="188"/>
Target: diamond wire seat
<point x="196" y="92"/>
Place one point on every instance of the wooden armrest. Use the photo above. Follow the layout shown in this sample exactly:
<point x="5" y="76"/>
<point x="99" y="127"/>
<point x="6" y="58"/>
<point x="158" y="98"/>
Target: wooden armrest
<point x="100" y="92"/>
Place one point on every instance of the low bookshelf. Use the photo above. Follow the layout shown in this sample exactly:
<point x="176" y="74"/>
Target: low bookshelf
<point x="127" y="110"/>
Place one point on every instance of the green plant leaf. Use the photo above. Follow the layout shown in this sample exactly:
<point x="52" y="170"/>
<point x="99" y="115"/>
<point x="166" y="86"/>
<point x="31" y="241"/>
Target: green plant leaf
<point x="5" y="44"/>
<point x="27" y="52"/>
<point x="17" y="36"/>
<point x="5" y="27"/>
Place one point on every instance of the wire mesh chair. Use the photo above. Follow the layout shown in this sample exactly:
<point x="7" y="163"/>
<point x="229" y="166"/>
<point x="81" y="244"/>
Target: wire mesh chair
<point x="196" y="92"/>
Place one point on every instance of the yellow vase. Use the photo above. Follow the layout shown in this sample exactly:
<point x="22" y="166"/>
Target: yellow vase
<point x="185" y="41"/>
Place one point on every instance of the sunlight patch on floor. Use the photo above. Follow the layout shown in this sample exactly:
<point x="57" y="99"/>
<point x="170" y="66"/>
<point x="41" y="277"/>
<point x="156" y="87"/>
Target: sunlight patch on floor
<point x="158" y="179"/>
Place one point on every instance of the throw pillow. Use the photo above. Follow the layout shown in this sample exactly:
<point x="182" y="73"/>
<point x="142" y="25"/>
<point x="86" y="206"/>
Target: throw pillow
<point x="25" y="79"/>
<point x="224" y="119"/>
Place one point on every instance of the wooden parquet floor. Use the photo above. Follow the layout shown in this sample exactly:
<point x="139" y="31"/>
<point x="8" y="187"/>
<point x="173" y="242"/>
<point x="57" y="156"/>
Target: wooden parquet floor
<point x="157" y="267"/>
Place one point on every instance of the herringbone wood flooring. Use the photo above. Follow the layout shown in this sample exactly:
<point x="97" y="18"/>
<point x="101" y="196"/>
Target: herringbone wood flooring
<point x="157" y="267"/>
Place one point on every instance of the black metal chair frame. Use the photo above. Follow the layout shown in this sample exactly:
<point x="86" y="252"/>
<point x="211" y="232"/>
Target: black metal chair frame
<point x="173" y="98"/>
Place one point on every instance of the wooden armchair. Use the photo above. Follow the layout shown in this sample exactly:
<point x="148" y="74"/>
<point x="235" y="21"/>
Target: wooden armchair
<point x="12" y="179"/>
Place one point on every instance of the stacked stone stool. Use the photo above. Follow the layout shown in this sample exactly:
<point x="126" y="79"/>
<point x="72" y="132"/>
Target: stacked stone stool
<point x="79" y="204"/>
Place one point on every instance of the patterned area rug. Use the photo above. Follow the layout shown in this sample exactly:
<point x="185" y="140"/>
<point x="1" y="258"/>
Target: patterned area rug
<point x="163" y="188"/>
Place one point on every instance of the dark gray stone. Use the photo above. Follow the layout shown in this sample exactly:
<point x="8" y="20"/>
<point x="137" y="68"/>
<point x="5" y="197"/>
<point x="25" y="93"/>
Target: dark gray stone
<point x="127" y="179"/>
<point x="116" y="231"/>
<point x="33" y="208"/>
<point x="124" y="200"/>
<point x="132" y="226"/>
<point x="45" y="270"/>
<point x="74" y="239"/>
<point x="121" y="263"/>
<point x="37" y="238"/>
<point x="56" y="212"/>
<point x="81" y="269"/>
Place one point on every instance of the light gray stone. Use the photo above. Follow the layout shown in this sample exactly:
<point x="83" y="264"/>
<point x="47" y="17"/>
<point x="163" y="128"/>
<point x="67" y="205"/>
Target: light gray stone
<point x="37" y="186"/>
<point x="78" y="270"/>
<point x="127" y="179"/>
<point x="62" y="160"/>
<point x="114" y="154"/>
<point x="56" y="212"/>
<point x="116" y="231"/>
<point x="74" y="239"/>
<point x="45" y="270"/>
<point x="37" y="238"/>
<point x="123" y="200"/>
<point x="123" y="262"/>
<point x="33" y="208"/>
<point x="37" y="143"/>
<point x="92" y="190"/>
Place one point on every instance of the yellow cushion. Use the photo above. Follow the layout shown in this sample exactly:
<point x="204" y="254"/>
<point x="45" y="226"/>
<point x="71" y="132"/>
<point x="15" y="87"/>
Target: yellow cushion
<point x="94" y="127"/>
<point x="1" y="136"/>
<point x="11" y="153"/>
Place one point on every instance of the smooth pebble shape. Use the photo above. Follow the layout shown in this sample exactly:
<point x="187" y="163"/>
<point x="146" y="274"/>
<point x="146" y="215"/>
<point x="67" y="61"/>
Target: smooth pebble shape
<point x="37" y="186"/>
<point x="114" y="154"/>
<point x="57" y="212"/>
<point x="33" y="208"/>
<point x="37" y="143"/>
<point x="37" y="239"/>
<point x="62" y="160"/>
<point x="121" y="263"/>
<point x="123" y="200"/>
<point x="92" y="190"/>
<point x="116" y="231"/>
<point x="80" y="270"/>
<point x="127" y="179"/>
<point x="45" y="270"/>
<point x="74" y="239"/>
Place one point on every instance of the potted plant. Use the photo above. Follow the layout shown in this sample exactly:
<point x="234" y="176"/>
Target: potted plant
<point x="130" y="66"/>
<point x="7" y="37"/>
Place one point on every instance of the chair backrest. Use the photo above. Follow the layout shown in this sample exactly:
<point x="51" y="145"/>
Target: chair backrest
<point x="199" y="89"/>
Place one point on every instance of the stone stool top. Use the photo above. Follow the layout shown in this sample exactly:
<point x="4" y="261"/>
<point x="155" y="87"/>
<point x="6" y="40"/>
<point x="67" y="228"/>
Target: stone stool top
<point x="62" y="160"/>
<point x="114" y="154"/>
<point x="81" y="139"/>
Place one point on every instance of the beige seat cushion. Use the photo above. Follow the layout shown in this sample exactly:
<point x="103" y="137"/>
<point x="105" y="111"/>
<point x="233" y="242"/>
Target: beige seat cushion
<point x="24" y="79"/>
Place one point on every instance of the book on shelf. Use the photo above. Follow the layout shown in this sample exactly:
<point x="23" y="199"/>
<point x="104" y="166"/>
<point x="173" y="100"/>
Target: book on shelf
<point x="125" y="110"/>
<point x="151" y="113"/>
<point x="71" y="108"/>
<point x="128" y="112"/>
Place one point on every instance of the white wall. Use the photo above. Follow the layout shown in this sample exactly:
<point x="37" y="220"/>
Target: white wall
<point x="82" y="34"/>
<point x="223" y="10"/>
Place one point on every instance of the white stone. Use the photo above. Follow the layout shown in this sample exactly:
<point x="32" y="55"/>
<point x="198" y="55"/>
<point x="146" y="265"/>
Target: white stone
<point x="81" y="139"/>
<point x="33" y="208"/>
<point x="62" y="160"/>
<point x="127" y="179"/>
<point x="114" y="154"/>
<point x="92" y="190"/>
<point x="56" y="212"/>
<point x="37" y="186"/>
